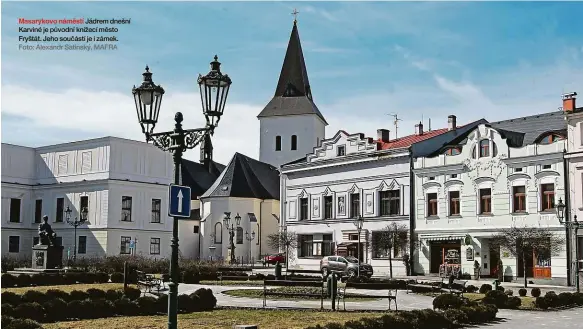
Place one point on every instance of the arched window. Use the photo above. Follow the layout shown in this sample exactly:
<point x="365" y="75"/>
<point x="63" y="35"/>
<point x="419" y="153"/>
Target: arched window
<point x="550" y="138"/>
<point x="239" y="235"/>
<point x="484" y="148"/>
<point x="294" y="142"/>
<point x="278" y="143"/>
<point x="218" y="233"/>
<point x="453" y="151"/>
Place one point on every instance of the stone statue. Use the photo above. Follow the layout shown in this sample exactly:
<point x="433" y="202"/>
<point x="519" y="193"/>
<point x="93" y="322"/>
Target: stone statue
<point x="46" y="234"/>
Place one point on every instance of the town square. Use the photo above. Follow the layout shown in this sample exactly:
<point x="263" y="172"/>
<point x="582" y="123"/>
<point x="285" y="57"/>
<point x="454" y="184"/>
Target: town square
<point x="307" y="165"/>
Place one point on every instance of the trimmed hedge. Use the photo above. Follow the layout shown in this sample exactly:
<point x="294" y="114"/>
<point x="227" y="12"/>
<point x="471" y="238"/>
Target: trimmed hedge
<point x="564" y="299"/>
<point x="55" y="305"/>
<point x="43" y="279"/>
<point x="9" y="322"/>
<point x="535" y="292"/>
<point x="485" y="288"/>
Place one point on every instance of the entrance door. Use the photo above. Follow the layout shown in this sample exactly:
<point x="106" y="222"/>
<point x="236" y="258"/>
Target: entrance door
<point x="494" y="258"/>
<point x="528" y="261"/>
<point x="436" y="253"/>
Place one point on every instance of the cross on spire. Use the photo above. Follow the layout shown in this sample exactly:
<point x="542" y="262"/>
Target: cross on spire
<point x="295" y="13"/>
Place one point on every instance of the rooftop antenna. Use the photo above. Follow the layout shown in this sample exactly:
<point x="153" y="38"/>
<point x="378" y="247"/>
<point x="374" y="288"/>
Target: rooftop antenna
<point x="396" y="123"/>
<point x="429" y="124"/>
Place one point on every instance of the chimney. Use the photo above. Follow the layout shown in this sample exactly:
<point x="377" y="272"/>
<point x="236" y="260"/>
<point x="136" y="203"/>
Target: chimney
<point x="569" y="102"/>
<point x="429" y="124"/>
<point x="451" y="122"/>
<point x="419" y="129"/>
<point x="383" y="135"/>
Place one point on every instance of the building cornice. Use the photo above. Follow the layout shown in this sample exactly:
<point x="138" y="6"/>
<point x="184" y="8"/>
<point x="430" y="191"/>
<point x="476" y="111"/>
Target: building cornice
<point x="439" y="170"/>
<point x="79" y="183"/>
<point x="534" y="159"/>
<point x="350" y="180"/>
<point x="333" y="221"/>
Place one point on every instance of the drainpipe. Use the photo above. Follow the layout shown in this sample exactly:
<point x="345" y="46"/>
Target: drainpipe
<point x="260" y="228"/>
<point x="567" y="216"/>
<point x="412" y="203"/>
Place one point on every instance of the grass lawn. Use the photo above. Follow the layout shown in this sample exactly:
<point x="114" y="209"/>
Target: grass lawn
<point x="219" y="319"/>
<point x="68" y="287"/>
<point x="258" y="293"/>
<point x="527" y="301"/>
<point x="253" y="283"/>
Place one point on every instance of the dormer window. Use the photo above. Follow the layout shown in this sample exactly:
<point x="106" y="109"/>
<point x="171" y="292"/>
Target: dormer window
<point x="453" y="151"/>
<point x="484" y="148"/>
<point x="341" y="150"/>
<point x="550" y="138"/>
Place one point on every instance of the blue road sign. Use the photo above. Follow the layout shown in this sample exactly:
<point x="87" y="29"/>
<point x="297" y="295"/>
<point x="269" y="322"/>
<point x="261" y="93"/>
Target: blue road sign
<point x="179" y="201"/>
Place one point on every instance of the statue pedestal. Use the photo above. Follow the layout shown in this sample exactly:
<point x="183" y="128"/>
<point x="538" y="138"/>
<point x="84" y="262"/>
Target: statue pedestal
<point x="47" y="257"/>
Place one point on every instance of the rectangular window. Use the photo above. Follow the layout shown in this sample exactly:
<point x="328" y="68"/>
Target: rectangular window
<point x="307" y="247"/>
<point x="82" y="245"/>
<point x="239" y="235"/>
<point x="390" y="202"/>
<point x="84" y="204"/>
<point x="453" y="176"/>
<point x="126" y="208"/>
<point x="518" y="199"/>
<point x="454" y="203"/>
<point x="485" y="201"/>
<point x="125" y="245"/>
<point x="378" y="245"/>
<point x="354" y="205"/>
<point x="196" y="229"/>
<point x="484" y="148"/>
<point x="156" y="210"/>
<point x="14" y="244"/>
<point x="278" y="143"/>
<point x="294" y="142"/>
<point x="328" y="201"/>
<point x="517" y="169"/>
<point x="340" y="150"/>
<point x="547" y="166"/>
<point x="15" y="210"/>
<point x="38" y="211"/>
<point x="547" y="197"/>
<point x="431" y="204"/>
<point x="60" y="210"/>
<point x="303" y="208"/>
<point x="327" y="245"/>
<point x="154" y="246"/>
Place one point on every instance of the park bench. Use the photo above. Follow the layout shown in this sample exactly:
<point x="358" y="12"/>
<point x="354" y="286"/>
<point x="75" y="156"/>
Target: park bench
<point x="454" y="287"/>
<point x="233" y="273"/>
<point x="288" y="283"/>
<point x="148" y="281"/>
<point x="390" y="287"/>
<point x="429" y="286"/>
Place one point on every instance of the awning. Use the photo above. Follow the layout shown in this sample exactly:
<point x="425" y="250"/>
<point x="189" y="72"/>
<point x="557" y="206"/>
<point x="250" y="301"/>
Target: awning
<point x="442" y="237"/>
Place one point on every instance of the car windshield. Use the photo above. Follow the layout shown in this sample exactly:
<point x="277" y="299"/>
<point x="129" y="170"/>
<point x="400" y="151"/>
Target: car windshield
<point x="352" y="259"/>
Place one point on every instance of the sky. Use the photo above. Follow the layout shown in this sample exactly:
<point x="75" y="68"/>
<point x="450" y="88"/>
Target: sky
<point x="365" y="61"/>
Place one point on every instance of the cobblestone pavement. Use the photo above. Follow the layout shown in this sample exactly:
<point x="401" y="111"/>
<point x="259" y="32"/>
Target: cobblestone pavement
<point x="509" y="319"/>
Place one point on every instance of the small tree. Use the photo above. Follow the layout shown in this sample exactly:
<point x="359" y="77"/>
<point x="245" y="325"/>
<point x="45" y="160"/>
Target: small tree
<point x="517" y="240"/>
<point x="384" y="241"/>
<point x="285" y="240"/>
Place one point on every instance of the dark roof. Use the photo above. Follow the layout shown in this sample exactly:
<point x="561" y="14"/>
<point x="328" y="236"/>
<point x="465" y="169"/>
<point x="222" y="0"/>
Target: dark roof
<point x="527" y="130"/>
<point x="429" y="147"/>
<point x="198" y="178"/>
<point x="245" y="177"/>
<point x="293" y="95"/>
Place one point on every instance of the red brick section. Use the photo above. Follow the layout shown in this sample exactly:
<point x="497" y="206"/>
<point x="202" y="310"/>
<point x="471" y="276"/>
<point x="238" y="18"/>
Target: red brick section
<point x="408" y="140"/>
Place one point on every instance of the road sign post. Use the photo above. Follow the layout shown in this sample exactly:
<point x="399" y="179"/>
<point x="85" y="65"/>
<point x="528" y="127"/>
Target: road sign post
<point x="179" y="201"/>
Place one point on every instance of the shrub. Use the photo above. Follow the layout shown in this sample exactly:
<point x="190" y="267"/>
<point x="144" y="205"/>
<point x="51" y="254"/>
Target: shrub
<point x="117" y="277"/>
<point x="113" y="294"/>
<point x="496" y="297"/>
<point x="87" y="278"/>
<point x="509" y="292"/>
<point x="23" y="280"/>
<point x="552" y="299"/>
<point x="513" y="303"/>
<point x="500" y="288"/>
<point x="72" y="277"/>
<point x="578" y="298"/>
<point x="522" y="292"/>
<point x="96" y="293"/>
<point x="541" y="302"/>
<point x="162" y="303"/>
<point x="447" y="301"/>
<point x="456" y="316"/>
<point x="101" y="277"/>
<point x="485" y="288"/>
<point x="124" y="306"/>
<point x="8" y="280"/>
<point x="148" y="305"/>
<point x="32" y="296"/>
<point x="566" y="299"/>
<point x="9" y="263"/>
<point x="471" y="289"/>
<point x="11" y="298"/>
<point x="192" y="277"/>
<point x="7" y="309"/>
<point x="535" y="292"/>
<point x="56" y="309"/>
<point x="100" y="308"/>
<point x="74" y="305"/>
<point x="208" y="301"/>
<point x="186" y="304"/>
<point x="33" y="311"/>
<point x="132" y="293"/>
<point x="78" y="295"/>
<point x="22" y="324"/>
<point x="6" y="320"/>
<point x="56" y="293"/>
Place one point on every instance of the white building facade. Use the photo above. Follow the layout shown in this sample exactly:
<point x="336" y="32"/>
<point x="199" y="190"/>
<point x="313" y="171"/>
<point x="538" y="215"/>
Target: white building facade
<point x="123" y="183"/>
<point x="499" y="175"/>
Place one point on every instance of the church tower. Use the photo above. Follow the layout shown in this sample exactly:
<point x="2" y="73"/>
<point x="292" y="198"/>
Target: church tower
<point x="291" y="124"/>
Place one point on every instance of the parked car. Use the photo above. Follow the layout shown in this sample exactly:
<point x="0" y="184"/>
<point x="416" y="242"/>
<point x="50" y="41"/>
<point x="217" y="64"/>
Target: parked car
<point x="345" y="266"/>
<point x="273" y="259"/>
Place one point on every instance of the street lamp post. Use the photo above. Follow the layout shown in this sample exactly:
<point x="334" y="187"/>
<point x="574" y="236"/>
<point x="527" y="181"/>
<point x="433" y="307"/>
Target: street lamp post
<point x="571" y="225"/>
<point x="230" y="226"/>
<point x="75" y="223"/>
<point x="359" y="222"/>
<point x="214" y="89"/>
<point x="249" y="238"/>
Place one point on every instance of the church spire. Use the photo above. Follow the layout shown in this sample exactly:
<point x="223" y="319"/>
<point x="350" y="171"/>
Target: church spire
<point x="293" y="79"/>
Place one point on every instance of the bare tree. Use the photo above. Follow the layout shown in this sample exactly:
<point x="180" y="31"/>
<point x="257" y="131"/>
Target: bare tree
<point x="384" y="241"/>
<point x="285" y="240"/>
<point x="520" y="240"/>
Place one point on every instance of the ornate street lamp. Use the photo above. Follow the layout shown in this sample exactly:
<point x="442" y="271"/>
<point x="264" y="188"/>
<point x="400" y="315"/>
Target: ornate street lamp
<point x="75" y="223"/>
<point x="231" y="229"/>
<point x="214" y="89"/>
<point x="359" y="222"/>
<point x="249" y="238"/>
<point x="571" y="225"/>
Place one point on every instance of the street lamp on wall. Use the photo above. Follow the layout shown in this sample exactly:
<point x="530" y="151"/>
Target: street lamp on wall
<point x="571" y="225"/>
<point x="359" y="223"/>
<point x="231" y="229"/>
<point x="214" y="88"/>
<point x="75" y="223"/>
